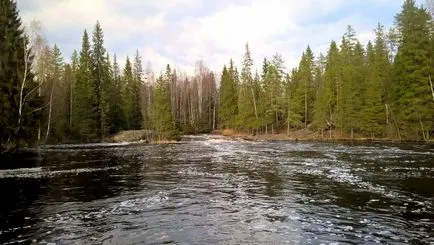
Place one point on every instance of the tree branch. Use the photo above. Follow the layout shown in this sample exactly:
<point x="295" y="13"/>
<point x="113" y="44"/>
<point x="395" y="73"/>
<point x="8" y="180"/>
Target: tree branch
<point x="33" y="90"/>
<point x="38" y="109"/>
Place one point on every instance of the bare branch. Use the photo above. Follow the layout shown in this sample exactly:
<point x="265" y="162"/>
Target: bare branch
<point x="33" y="90"/>
<point x="38" y="109"/>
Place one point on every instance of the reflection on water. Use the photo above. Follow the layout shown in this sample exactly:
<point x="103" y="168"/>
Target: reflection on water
<point x="212" y="191"/>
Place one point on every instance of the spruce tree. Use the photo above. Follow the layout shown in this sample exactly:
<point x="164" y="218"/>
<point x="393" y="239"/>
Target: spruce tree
<point x="57" y="98"/>
<point x="248" y="113"/>
<point x="127" y="93"/>
<point x="295" y="100"/>
<point x="324" y="96"/>
<point x="69" y="81"/>
<point x="350" y="52"/>
<point x="116" y="112"/>
<point x="162" y="112"/>
<point x="20" y="104"/>
<point x="228" y="100"/>
<point x="137" y="117"/>
<point x="372" y="118"/>
<point x="306" y="87"/>
<point x="270" y="100"/>
<point x="131" y="99"/>
<point x="412" y="102"/>
<point x="85" y="125"/>
<point x="327" y="102"/>
<point x="100" y="79"/>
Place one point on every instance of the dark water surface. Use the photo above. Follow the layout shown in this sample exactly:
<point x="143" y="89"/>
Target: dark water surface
<point x="213" y="191"/>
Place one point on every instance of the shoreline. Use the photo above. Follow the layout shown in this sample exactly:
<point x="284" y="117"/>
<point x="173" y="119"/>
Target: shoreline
<point x="310" y="136"/>
<point x="141" y="137"/>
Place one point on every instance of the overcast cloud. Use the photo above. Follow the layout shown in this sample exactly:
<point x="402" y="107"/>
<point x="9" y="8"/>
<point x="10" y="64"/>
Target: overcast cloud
<point x="180" y="32"/>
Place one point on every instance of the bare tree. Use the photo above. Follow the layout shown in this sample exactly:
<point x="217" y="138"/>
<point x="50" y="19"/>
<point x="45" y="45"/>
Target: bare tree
<point x="38" y="42"/>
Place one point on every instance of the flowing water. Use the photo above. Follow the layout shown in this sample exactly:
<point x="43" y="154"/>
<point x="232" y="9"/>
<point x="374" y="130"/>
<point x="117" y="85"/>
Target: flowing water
<point x="210" y="190"/>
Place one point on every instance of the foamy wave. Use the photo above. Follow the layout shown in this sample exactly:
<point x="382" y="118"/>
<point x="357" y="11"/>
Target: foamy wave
<point x="40" y="172"/>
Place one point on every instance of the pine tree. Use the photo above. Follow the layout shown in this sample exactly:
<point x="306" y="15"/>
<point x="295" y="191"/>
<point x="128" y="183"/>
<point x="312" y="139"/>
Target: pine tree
<point x="20" y="104"/>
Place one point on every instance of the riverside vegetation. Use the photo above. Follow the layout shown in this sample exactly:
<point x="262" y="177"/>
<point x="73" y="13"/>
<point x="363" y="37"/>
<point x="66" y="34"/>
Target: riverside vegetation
<point x="383" y="89"/>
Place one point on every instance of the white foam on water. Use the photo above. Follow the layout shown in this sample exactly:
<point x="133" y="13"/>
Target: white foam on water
<point x="39" y="172"/>
<point x="90" y="145"/>
<point x="139" y="204"/>
<point x="191" y="171"/>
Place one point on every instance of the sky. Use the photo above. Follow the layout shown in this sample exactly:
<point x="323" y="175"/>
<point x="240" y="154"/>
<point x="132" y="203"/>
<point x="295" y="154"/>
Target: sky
<point x="181" y="32"/>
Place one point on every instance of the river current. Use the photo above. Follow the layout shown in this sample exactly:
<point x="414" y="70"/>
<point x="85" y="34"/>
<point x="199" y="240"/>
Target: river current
<point x="213" y="190"/>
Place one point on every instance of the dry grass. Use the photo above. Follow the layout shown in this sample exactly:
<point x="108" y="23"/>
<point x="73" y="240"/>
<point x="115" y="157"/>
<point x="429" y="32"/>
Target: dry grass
<point x="131" y="135"/>
<point x="163" y="142"/>
<point x="229" y="132"/>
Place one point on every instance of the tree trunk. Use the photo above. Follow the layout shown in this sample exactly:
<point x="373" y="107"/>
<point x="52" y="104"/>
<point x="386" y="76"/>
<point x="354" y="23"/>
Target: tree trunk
<point x="331" y="121"/>
<point x="102" y="122"/>
<point x="425" y="137"/>
<point x="432" y="88"/>
<point x="396" y="125"/>
<point x="213" y="118"/>
<point x="287" y="128"/>
<point x="277" y="119"/>
<point x="49" y="113"/>
<point x="305" y="107"/>
<point x="23" y="84"/>
<point x="254" y="101"/>
<point x="70" y="105"/>
<point x="387" y="114"/>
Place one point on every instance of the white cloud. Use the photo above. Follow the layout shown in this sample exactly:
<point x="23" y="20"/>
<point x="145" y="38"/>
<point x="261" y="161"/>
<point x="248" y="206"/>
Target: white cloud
<point x="180" y="32"/>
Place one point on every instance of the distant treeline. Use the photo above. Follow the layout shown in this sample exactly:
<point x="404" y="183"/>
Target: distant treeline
<point x="383" y="89"/>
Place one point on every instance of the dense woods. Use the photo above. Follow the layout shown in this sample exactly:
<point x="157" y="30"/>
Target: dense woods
<point x="383" y="89"/>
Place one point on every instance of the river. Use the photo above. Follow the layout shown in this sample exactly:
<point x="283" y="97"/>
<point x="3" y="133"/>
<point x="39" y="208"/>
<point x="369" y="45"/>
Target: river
<point x="209" y="190"/>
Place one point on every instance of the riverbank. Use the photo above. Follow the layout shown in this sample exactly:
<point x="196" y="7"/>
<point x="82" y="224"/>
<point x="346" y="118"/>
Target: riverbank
<point x="144" y="136"/>
<point x="148" y="136"/>
<point x="306" y="135"/>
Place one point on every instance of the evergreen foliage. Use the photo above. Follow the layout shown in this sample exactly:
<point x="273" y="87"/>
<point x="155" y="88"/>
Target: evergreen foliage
<point x="383" y="89"/>
<point x="20" y="109"/>
<point x="161" y="111"/>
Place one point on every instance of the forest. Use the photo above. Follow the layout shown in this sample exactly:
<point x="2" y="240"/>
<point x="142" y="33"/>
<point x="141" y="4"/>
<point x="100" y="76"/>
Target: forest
<point x="383" y="89"/>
